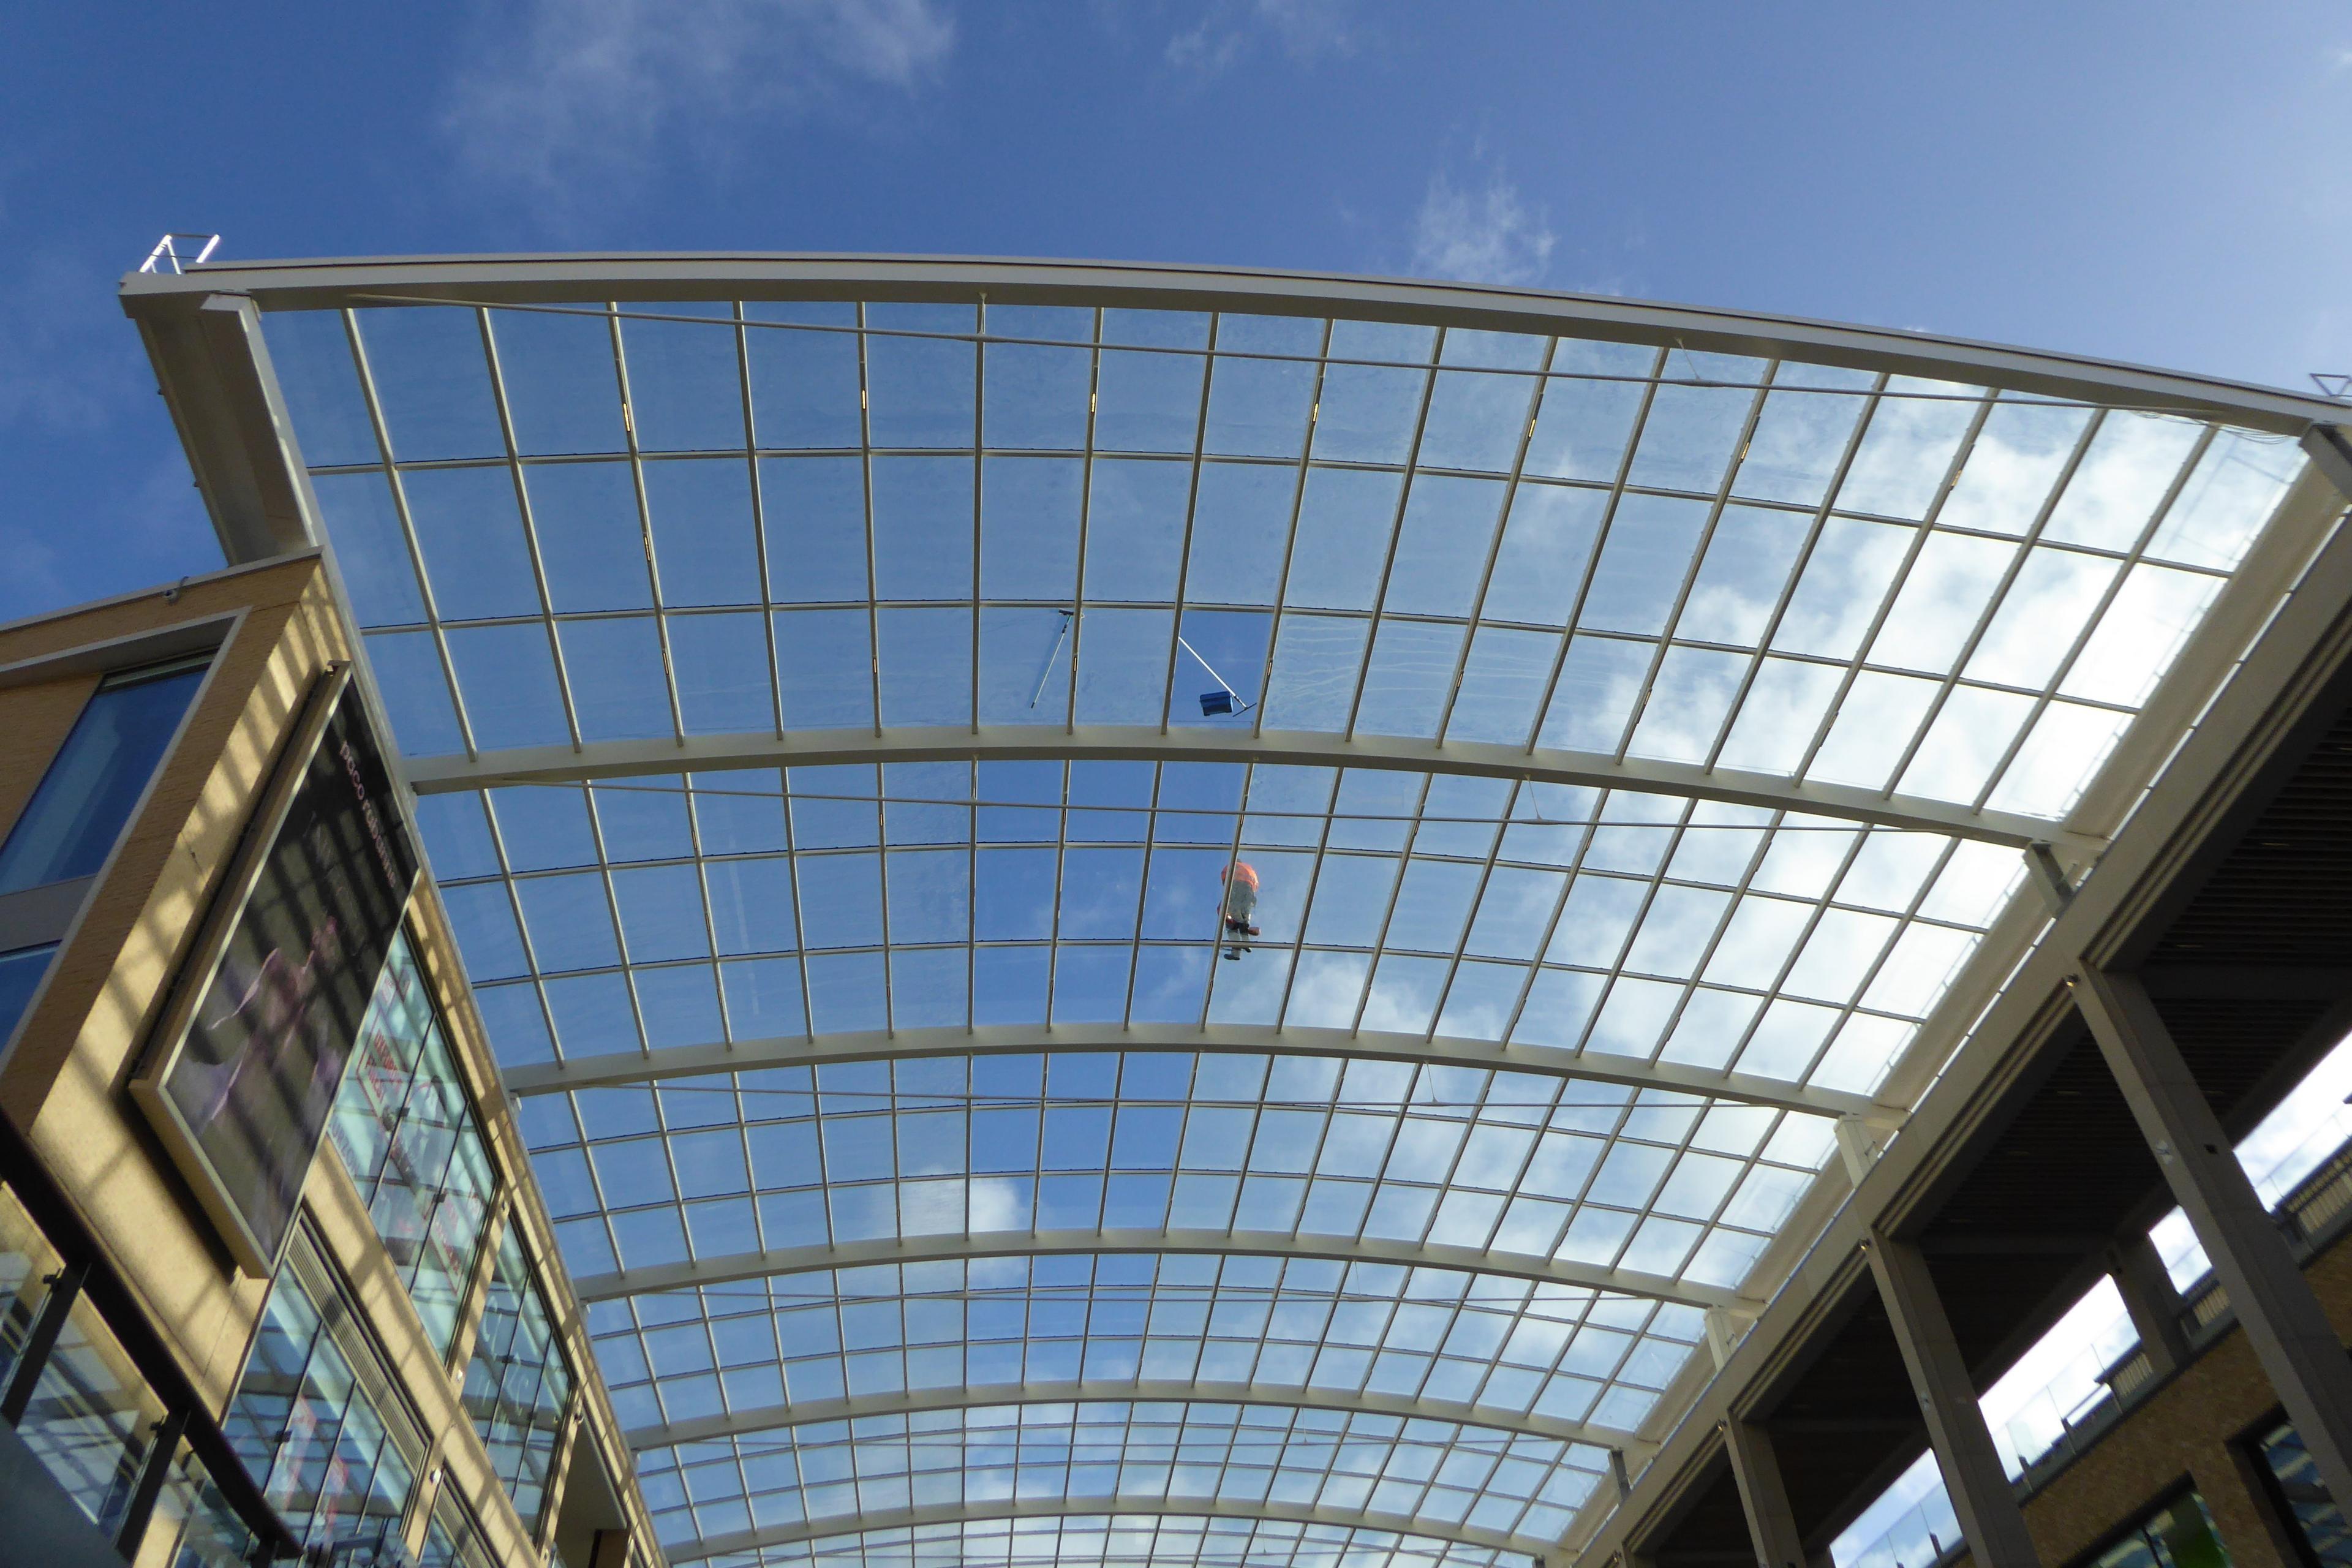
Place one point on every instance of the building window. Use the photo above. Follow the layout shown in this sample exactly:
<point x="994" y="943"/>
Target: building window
<point x="318" y="1417"/>
<point x="407" y="1133"/>
<point x="20" y="976"/>
<point x="2315" y="1520"/>
<point x="518" y="1386"/>
<point x="95" y="780"/>
<point x="2175" y="1534"/>
<point x="452" y="1538"/>
<point x="79" y="1401"/>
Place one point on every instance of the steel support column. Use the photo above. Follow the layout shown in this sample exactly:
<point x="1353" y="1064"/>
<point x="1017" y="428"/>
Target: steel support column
<point x="1763" y="1496"/>
<point x="2149" y="1297"/>
<point x="1988" y="1510"/>
<point x="2281" y="1318"/>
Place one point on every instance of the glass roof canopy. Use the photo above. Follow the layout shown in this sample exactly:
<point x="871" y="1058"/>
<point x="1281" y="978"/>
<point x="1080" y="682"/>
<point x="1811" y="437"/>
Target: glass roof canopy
<point x="1633" y="745"/>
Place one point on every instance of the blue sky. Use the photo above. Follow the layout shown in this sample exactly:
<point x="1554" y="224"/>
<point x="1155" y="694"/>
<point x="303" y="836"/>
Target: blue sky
<point x="2152" y="182"/>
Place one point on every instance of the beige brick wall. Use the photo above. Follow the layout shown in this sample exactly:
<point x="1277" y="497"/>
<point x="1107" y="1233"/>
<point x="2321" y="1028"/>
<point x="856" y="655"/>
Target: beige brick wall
<point x="64" y="1084"/>
<point x="2188" y="1431"/>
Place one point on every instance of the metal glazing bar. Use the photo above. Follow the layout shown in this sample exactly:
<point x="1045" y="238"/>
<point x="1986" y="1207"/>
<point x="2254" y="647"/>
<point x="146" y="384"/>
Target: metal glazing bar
<point x="999" y="1040"/>
<point x="907" y="1402"/>
<point x="770" y="1264"/>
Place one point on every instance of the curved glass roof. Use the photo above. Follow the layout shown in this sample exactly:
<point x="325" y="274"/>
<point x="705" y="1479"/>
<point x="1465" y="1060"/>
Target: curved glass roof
<point x="1176" y="1539"/>
<point x="834" y="723"/>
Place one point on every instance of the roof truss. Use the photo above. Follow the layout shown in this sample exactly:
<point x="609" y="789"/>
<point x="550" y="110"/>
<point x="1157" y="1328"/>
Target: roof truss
<point x="928" y="1249"/>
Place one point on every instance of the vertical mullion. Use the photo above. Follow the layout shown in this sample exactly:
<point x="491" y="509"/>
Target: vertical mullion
<point x="1951" y="678"/>
<point x="1909" y="916"/>
<point x="522" y="926"/>
<point x="1388" y="913"/>
<point x="529" y="527"/>
<point x="709" y="923"/>
<point x="759" y="525"/>
<point x="1641" y="916"/>
<point x="1461" y="943"/>
<point x="1600" y="545"/>
<point x="971" y="899"/>
<point x="873" y="577"/>
<point x="1396" y="523"/>
<point x="799" y="916"/>
<point x="1061" y="858"/>
<point x="1142" y="890"/>
<point x="1723" y="923"/>
<point x="1306" y="904"/>
<point x="1086" y="527"/>
<point x="882" y="898"/>
<point x="1690" y="573"/>
<point x="1814" y="531"/>
<point x="1191" y="507"/>
<point x="1820" y="907"/>
<point x="2132" y="558"/>
<point x="1469" y="1115"/>
<point x="1574" y="869"/>
<point x="1290" y="539"/>
<point x="408" y="532"/>
<point x="1984" y="617"/>
<point x="620" y="934"/>
<point x="1495" y="546"/>
<point x="979" y="436"/>
<point x="646" y="524"/>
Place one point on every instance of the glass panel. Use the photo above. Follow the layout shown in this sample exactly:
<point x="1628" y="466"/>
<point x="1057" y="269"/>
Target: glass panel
<point x="517" y="1386"/>
<point x="190" y="1511"/>
<point x="92" y="1418"/>
<point x="2311" y="1512"/>
<point x="316" y="1418"/>
<point x="20" y="976"/>
<point x="28" y="1267"/>
<point x="405" y="1130"/>
<point x="95" y="780"/>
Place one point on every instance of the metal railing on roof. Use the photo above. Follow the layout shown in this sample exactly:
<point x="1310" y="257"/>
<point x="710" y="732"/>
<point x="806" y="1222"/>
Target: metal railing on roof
<point x="167" y="253"/>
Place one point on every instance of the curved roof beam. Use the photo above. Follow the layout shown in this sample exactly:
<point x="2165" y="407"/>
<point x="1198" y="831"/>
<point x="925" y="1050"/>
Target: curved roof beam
<point x="525" y="279"/>
<point x="751" y="1056"/>
<point x="771" y="1264"/>
<point x="624" y="758"/>
<point x="749" y="1541"/>
<point x="1135" y="1391"/>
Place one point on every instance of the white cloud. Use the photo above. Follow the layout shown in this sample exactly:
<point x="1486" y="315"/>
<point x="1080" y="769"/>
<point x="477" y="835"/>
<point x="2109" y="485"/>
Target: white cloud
<point x="1486" y="235"/>
<point x="1306" y="30"/>
<point x="585" y="88"/>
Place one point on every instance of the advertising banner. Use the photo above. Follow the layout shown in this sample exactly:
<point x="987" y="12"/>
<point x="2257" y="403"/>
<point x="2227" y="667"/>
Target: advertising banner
<point x="245" y="1071"/>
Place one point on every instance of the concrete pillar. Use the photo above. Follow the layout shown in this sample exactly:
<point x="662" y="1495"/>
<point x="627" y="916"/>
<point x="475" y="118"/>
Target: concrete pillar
<point x="1988" y="1510"/>
<point x="2281" y="1318"/>
<point x="2148" y="1295"/>
<point x="1771" y="1524"/>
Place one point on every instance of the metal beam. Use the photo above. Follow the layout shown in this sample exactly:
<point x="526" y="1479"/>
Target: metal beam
<point x="1026" y="1243"/>
<point x="591" y="280"/>
<point x="907" y="1402"/>
<point x="2283" y="1319"/>
<point x="1763" y="1496"/>
<point x="1988" y="1512"/>
<point x="752" y="1540"/>
<point x="821" y="748"/>
<point x="216" y="376"/>
<point x="751" y="1056"/>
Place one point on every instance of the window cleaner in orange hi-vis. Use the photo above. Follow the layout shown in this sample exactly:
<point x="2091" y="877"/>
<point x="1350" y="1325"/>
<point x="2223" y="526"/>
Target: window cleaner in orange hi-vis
<point x="1241" y="902"/>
